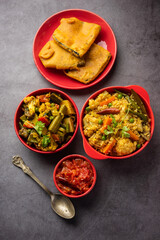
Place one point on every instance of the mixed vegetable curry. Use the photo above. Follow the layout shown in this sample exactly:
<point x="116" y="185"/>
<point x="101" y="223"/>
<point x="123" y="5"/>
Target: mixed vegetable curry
<point x="48" y="121"/>
<point x="116" y="123"/>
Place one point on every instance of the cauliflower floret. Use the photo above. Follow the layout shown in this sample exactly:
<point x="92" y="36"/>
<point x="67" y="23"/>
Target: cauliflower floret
<point x="28" y="99"/>
<point x="90" y="125"/>
<point x="125" y="146"/>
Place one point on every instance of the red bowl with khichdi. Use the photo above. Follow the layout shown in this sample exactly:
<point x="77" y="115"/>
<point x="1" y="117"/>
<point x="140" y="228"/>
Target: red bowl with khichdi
<point x="116" y="122"/>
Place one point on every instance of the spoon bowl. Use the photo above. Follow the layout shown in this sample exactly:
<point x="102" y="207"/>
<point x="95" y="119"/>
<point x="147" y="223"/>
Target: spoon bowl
<point x="62" y="206"/>
<point x="59" y="203"/>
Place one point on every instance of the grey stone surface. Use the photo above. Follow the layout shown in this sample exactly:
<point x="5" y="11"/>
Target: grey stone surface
<point x="125" y="203"/>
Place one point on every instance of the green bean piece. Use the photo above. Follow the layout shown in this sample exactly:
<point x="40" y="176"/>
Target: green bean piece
<point x="139" y="101"/>
<point x="134" y="104"/>
<point x="67" y="128"/>
<point x="23" y="118"/>
<point x="146" y="137"/>
<point x="70" y="108"/>
<point x="55" y="98"/>
<point x="61" y="135"/>
<point x="23" y="132"/>
<point x="141" y="115"/>
<point x="73" y="118"/>
<point x="33" y="137"/>
<point x="63" y="125"/>
<point x="20" y="125"/>
<point x="63" y="109"/>
<point x="55" y="124"/>
<point x="62" y="130"/>
<point x="69" y="121"/>
<point x="123" y="94"/>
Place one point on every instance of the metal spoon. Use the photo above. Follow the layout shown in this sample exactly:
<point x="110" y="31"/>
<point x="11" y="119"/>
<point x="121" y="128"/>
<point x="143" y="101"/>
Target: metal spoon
<point x="59" y="203"/>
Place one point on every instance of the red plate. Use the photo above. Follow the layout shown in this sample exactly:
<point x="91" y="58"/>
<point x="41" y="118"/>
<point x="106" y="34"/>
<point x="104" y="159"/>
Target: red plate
<point x="44" y="34"/>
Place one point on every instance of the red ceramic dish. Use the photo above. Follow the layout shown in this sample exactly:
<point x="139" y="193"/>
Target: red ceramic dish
<point x="19" y="113"/>
<point x="145" y="98"/>
<point x="70" y="158"/>
<point x="44" y="34"/>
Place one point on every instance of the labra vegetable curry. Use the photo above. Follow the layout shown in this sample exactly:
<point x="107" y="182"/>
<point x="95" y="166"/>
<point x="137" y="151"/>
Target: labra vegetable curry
<point x="48" y="121"/>
<point x="117" y="123"/>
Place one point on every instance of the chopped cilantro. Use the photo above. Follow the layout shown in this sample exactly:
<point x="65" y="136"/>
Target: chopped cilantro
<point x="114" y="123"/>
<point x="125" y="132"/>
<point x="108" y="131"/>
<point x="45" y="141"/>
<point x="39" y="126"/>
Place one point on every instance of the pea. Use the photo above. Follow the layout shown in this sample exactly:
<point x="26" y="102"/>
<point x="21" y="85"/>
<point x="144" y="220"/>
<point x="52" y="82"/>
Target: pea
<point x="138" y="146"/>
<point x="36" y="109"/>
<point x="131" y="120"/>
<point x="103" y="137"/>
<point x="119" y="95"/>
<point x="100" y="122"/>
<point x="87" y="109"/>
<point x="109" y="104"/>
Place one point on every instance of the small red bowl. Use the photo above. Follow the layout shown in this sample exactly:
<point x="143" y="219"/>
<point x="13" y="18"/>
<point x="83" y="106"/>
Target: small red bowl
<point x="19" y="113"/>
<point x="146" y="100"/>
<point x="70" y="157"/>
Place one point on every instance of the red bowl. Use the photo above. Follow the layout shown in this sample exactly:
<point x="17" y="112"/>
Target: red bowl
<point x="44" y="34"/>
<point x="145" y="98"/>
<point x="69" y="157"/>
<point x="19" y="113"/>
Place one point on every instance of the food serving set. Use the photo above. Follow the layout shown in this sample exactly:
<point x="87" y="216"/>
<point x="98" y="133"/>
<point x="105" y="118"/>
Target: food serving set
<point x="78" y="163"/>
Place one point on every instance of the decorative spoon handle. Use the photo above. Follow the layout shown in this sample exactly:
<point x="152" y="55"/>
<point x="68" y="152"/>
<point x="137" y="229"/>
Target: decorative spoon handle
<point x="18" y="161"/>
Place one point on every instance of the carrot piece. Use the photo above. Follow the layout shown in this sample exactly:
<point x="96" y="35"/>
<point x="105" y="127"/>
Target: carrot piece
<point x="43" y="98"/>
<point x="107" y="122"/>
<point x="133" y="136"/>
<point x="28" y="124"/>
<point x="111" y="99"/>
<point x="109" y="147"/>
<point x="56" y="137"/>
<point x="44" y="120"/>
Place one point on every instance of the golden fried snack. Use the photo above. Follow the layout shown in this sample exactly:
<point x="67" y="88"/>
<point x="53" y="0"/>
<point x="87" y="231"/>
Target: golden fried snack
<point x="76" y="36"/>
<point x="53" y="56"/>
<point x="96" y="59"/>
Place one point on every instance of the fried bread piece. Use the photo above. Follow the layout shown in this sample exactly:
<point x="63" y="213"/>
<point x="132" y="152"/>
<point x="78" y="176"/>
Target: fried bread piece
<point x="53" y="56"/>
<point x="76" y="36"/>
<point x="96" y="59"/>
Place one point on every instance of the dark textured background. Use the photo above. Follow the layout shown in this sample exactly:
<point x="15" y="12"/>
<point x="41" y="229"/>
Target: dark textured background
<point x="125" y="203"/>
